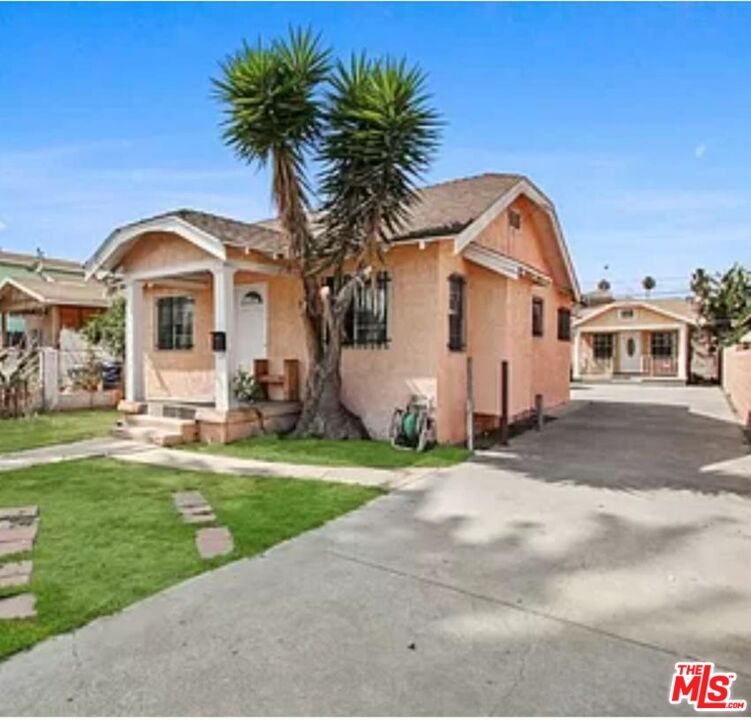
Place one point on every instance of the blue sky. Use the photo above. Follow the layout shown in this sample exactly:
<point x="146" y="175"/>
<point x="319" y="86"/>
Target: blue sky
<point x="635" y="119"/>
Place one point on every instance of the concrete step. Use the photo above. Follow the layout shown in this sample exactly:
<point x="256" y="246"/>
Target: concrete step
<point x="170" y="423"/>
<point x="153" y="434"/>
<point x="185" y="429"/>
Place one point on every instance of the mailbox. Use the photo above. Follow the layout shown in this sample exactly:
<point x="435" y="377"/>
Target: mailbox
<point x="219" y="341"/>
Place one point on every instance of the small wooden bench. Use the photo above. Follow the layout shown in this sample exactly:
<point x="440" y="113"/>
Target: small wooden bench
<point x="288" y="380"/>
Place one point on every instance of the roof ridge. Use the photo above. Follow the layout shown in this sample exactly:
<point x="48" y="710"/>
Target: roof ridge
<point x="468" y="178"/>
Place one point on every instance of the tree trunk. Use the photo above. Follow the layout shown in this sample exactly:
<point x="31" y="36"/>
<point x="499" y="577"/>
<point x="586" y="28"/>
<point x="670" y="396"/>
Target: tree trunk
<point x="323" y="414"/>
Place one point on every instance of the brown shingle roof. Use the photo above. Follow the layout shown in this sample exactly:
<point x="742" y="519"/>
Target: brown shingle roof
<point x="234" y="232"/>
<point x="444" y="209"/>
<point x="262" y="236"/>
<point x="449" y="207"/>
<point x="61" y="292"/>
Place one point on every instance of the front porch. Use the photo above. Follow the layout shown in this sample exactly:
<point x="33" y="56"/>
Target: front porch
<point x="175" y="423"/>
<point x="193" y="322"/>
<point x="646" y="354"/>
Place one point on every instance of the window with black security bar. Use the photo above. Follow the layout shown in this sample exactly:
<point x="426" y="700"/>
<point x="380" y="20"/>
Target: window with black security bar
<point x="366" y="324"/>
<point x="457" y="312"/>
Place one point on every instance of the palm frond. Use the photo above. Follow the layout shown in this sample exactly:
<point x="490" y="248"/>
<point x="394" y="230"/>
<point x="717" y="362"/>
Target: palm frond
<point x="379" y="138"/>
<point x="272" y="115"/>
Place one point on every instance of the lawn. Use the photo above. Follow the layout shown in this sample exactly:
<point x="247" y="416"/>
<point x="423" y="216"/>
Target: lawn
<point x="109" y="534"/>
<point x="54" y="428"/>
<point x="355" y="453"/>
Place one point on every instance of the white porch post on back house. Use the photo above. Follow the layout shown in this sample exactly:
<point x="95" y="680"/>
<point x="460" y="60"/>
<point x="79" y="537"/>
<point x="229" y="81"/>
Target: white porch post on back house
<point x="682" y="352"/>
<point x="134" y="387"/>
<point x="224" y="322"/>
<point x="576" y="371"/>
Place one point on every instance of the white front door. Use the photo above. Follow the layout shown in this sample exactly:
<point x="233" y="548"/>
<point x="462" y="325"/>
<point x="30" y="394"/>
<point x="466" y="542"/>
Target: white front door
<point x="251" y="311"/>
<point x="629" y="352"/>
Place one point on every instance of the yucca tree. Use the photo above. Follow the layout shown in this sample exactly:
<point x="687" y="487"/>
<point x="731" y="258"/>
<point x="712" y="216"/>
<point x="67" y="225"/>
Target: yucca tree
<point x="271" y="96"/>
<point x="370" y="128"/>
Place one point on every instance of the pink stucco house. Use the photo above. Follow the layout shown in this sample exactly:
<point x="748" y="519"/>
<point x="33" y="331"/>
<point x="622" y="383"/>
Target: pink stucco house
<point x="482" y="270"/>
<point x="640" y="338"/>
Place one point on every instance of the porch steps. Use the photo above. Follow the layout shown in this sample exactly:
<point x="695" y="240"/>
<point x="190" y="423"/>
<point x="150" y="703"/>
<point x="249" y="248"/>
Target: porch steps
<point x="156" y="429"/>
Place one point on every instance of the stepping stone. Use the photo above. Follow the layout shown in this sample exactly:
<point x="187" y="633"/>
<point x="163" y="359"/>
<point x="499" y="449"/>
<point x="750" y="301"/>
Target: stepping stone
<point x="14" y="547"/>
<point x="213" y="542"/>
<point x="15" y="574"/>
<point x="189" y="499"/>
<point x="16" y="513"/>
<point x="198" y="518"/>
<point x="19" y="532"/>
<point x="18" y="607"/>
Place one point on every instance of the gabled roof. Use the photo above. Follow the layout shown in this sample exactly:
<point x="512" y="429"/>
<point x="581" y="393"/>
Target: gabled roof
<point x="449" y="207"/>
<point x="90" y="293"/>
<point x="675" y="308"/>
<point x="458" y="209"/>
<point x="258" y="236"/>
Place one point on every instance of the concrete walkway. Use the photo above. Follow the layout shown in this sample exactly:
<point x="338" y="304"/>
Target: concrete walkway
<point x="563" y="576"/>
<point x="130" y="451"/>
<point x="97" y="447"/>
<point x="200" y="462"/>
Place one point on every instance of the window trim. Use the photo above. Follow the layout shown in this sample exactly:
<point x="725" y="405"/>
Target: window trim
<point x="610" y="344"/>
<point x="564" y="336"/>
<point x="626" y="313"/>
<point x="157" y="325"/>
<point x="456" y="280"/>
<point x="673" y="344"/>
<point x="538" y="331"/>
<point x="514" y="219"/>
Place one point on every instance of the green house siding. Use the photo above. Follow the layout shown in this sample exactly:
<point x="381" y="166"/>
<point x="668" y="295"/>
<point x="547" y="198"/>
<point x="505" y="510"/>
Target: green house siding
<point x="20" y="271"/>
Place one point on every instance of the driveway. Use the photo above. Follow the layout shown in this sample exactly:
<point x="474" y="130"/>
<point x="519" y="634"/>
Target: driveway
<point x="565" y="574"/>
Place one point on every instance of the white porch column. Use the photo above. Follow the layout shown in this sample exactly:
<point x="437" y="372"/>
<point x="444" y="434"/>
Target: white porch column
<point x="134" y="387"/>
<point x="682" y="352"/>
<point x="576" y="358"/>
<point x="224" y="321"/>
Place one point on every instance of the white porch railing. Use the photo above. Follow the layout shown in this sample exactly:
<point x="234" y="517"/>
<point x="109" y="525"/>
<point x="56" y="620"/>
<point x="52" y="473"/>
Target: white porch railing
<point x="658" y="366"/>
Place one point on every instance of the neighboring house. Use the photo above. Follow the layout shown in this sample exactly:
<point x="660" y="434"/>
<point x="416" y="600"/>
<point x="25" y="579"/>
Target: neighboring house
<point x="639" y="338"/>
<point x="39" y="296"/>
<point x="481" y="271"/>
<point x="47" y="306"/>
<point x="736" y="375"/>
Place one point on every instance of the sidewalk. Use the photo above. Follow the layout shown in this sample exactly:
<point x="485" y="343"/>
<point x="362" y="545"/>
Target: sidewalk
<point x="96" y="447"/>
<point x="130" y="451"/>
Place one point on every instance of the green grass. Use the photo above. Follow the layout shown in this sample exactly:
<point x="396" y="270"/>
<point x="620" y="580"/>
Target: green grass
<point x="351" y="453"/>
<point x="54" y="428"/>
<point x="109" y="534"/>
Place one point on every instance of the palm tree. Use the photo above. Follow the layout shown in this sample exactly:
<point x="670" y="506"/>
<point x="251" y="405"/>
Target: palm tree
<point x="648" y="283"/>
<point x="373" y="133"/>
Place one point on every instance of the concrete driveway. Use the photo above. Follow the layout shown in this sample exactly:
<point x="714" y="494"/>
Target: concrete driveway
<point x="564" y="575"/>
